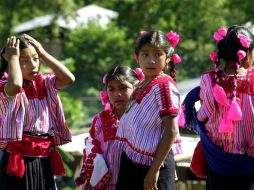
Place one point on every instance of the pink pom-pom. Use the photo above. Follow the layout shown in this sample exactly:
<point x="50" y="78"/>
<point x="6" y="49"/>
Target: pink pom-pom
<point x="104" y="97"/>
<point x="241" y="55"/>
<point x="176" y="58"/>
<point x="173" y="38"/>
<point x="244" y="40"/>
<point x="214" y="57"/>
<point x="220" y="34"/>
<point x="104" y="79"/>
<point x="220" y="95"/>
<point x="140" y="74"/>
<point x="235" y="112"/>
<point x="142" y="32"/>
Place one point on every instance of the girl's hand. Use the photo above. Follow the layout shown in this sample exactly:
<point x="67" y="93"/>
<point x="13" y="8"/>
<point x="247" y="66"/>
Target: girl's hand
<point x="37" y="45"/>
<point x="151" y="179"/>
<point x="11" y="49"/>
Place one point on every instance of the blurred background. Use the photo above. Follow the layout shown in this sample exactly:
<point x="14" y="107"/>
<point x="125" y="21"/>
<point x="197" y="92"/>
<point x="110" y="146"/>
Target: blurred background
<point x="92" y="36"/>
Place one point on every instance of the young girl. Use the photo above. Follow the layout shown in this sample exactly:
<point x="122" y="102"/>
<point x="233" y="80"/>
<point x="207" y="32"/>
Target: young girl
<point x="149" y="128"/>
<point x="100" y="162"/>
<point x="227" y="98"/>
<point x="31" y="116"/>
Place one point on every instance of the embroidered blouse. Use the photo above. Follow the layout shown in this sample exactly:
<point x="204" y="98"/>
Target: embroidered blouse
<point x="241" y="140"/>
<point x="140" y="129"/>
<point x="101" y="158"/>
<point x="37" y="108"/>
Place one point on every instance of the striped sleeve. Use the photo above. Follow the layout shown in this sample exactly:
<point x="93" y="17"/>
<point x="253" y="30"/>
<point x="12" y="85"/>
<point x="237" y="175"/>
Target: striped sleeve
<point x="206" y="98"/>
<point x="61" y="130"/>
<point x="168" y="98"/>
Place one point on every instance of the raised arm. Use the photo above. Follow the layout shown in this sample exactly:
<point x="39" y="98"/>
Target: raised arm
<point x="64" y="77"/>
<point x="11" y="55"/>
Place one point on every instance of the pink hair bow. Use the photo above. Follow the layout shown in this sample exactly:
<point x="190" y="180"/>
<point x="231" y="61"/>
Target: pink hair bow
<point x="244" y="40"/>
<point x="176" y="58"/>
<point x="241" y="55"/>
<point x="104" y="79"/>
<point x="220" y="34"/>
<point x="140" y="74"/>
<point x="104" y="99"/>
<point x="214" y="57"/>
<point x="173" y="38"/>
<point x="142" y="32"/>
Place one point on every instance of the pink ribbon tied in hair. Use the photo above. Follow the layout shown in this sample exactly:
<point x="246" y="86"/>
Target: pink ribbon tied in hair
<point x="104" y="79"/>
<point x="241" y="55"/>
<point x="220" y="34"/>
<point x="173" y="38"/>
<point x="142" y="32"/>
<point x="104" y="99"/>
<point x="176" y="58"/>
<point x="214" y="57"/>
<point x="244" y="40"/>
<point x="140" y="74"/>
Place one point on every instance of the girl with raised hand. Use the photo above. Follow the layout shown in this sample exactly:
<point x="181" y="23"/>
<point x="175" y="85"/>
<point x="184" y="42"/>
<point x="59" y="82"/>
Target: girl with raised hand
<point x="31" y="116"/>
<point x="101" y="158"/>
<point x="148" y="128"/>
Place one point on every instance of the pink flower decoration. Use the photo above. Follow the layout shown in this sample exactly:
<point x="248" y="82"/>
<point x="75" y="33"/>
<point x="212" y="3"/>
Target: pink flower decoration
<point x="140" y="74"/>
<point x="173" y="38"/>
<point x="244" y="40"/>
<point x="107" y="106"/>
<point x="135" y="57"/>
<point x="241" y="55"/>
<point x="176" y="58"/>
<point x="220" y="34"/>
<point x="142" y="32"/>
<point x="214" y="57"/>
<point x="104" y="80"/>
<point x="104" y="97"/>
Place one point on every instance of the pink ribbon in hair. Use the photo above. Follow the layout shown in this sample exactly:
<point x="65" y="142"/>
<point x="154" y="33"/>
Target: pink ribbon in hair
<point x="220" y="34"/>
<point x="173" y="38"/>
<point x="104" y="79"/>
<point x="214" y="57"/>
<point x="142" y="32"/>
<point x="241" y="55"/>
<point x="140" y="74"/>
<point x="244" y="40"/>
<point x="176" y="58"/>
<point x="104" y="99"/>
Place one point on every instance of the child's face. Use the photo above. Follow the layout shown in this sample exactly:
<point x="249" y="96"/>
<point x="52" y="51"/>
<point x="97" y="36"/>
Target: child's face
<point x="152" y="60"/>
<point x="119" y="93"/>
<point x="29" y="63"/>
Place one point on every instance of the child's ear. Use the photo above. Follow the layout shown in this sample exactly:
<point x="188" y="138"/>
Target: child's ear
<point x="167" y="61"/>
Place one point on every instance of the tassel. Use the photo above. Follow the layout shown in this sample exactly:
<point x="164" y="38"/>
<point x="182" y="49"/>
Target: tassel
<point x="226" y="126"/>
<point x="220" y="95"/>
<point x="56" y="163"/>
<point x="16" y="165"/>
<point x="181" y="120"/>
<point x="234" y="112"/>
<point x="199" y="164"/>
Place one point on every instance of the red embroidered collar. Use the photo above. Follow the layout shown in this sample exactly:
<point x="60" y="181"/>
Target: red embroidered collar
<point x="110" y="124"/>
<point x="142" y="90"/>
<point x="35" y="88"/>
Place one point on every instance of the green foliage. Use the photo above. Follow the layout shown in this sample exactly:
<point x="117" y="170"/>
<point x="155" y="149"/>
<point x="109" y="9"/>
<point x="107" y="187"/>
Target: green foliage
<point x="96" y="50"/>
<point x="75" y="112"/>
